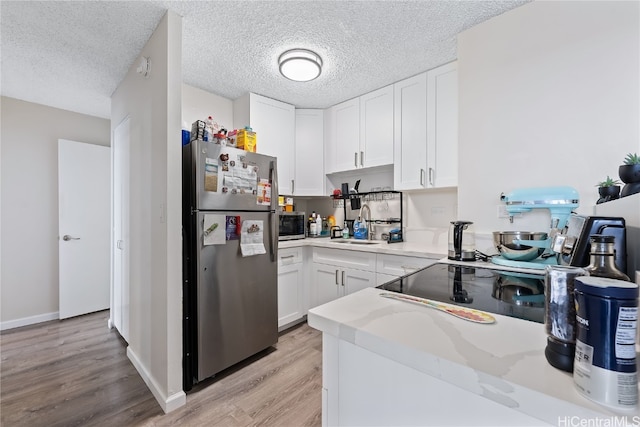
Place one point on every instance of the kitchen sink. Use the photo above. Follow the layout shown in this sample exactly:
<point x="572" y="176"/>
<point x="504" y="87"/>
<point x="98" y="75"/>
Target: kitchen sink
<point x="357" y="242"/>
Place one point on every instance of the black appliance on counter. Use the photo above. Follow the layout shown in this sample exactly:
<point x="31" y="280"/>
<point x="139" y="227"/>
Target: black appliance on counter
<point x="519" y="295"/>
<point x="576" y="248"/>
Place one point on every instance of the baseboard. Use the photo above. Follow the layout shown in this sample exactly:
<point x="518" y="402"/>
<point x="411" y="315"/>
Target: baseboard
<point x="167" y="404"/>
<point x="26" y="321"/>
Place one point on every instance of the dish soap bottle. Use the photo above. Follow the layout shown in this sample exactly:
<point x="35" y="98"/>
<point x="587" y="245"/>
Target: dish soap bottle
<point x="345" y="231"/>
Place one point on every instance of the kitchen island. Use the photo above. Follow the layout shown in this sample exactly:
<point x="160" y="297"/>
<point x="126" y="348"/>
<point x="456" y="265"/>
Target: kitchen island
<point x="388" y="362"/>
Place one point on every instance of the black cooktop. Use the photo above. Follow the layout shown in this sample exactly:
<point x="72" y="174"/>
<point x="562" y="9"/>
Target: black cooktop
<point x="519" y="295"/>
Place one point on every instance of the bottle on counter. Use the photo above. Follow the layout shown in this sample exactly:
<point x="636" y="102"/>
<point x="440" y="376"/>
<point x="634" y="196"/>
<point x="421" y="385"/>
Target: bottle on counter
<point x="325" y="227"/>
<point x="356" y="226"/>
<point x="313" y="227"/>
<point x="602" y="263"/>
<point x="345" y="231"/>
<point x="319" y="225"/>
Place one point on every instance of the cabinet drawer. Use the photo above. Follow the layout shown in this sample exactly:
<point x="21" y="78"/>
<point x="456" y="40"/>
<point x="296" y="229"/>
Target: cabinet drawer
<point x="349" y="259"/>
<point x="289" y="256"/>
<point x="398" y="265"/>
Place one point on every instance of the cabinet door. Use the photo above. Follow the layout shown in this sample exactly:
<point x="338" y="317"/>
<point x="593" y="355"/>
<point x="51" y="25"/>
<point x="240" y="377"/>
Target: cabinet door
<point x="330" y="146"/>
<point x="410" y="133"/>
<point x="290" y="294"/>
<point x="442" y="123"/>
<point x="309" y="153"/>
<point x="274" y="123"/>
<point x="326" y="284"/>
<point x="355" y="280"/>
<point x="345" y="258"/>
<point x="346" y="134"/>
<point x="376" y="128"/>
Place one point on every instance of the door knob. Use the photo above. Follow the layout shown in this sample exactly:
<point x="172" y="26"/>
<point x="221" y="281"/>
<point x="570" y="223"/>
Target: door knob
<point x="66" y="238"/>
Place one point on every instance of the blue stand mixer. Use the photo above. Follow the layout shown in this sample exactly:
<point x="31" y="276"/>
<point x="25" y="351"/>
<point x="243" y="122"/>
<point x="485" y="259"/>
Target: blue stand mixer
<point x="518" y="249"/>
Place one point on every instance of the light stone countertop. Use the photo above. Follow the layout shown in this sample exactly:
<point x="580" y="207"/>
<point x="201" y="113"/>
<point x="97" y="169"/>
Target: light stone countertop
<point x="503" y="362"/>
<point x="421" y="250"/>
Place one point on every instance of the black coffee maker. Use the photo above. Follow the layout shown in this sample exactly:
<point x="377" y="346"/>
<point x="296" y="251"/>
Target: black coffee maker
<point x="576" y="247"/>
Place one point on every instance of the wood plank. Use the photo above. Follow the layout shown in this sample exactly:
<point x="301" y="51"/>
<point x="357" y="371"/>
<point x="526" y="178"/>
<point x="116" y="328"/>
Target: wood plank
<point x="76" y="372"/>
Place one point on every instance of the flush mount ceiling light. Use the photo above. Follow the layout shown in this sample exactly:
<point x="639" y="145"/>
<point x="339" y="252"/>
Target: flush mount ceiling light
<point x="300" y="65"/>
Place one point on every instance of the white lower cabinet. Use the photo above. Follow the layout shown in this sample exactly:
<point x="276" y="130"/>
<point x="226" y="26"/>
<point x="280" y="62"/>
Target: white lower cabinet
<point x="291" y="287"/>
<point x="330" y="282"/>
<point x="325" y="274"/>
<point x="333" y="274"/>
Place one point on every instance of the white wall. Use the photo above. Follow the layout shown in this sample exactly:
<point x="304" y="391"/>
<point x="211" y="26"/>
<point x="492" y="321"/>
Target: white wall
<point x="198" y="104"/>
<point x="29" y="204"/>
<point x="154" y="108"/>
<point x="549" y="95"/>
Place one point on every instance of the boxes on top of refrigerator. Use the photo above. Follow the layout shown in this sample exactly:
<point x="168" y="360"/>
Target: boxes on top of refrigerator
<point x="198" y="131"/>
<point x="246" y="140"/>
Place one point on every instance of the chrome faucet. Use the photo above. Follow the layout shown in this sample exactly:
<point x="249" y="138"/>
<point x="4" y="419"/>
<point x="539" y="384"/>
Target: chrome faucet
<point x="367" y="221"/>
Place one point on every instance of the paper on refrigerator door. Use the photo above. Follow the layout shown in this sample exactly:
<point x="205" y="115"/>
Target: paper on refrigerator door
<point x="251" y="238"/>
<point x="214" y="229"/>
<point x="211" y="175"/>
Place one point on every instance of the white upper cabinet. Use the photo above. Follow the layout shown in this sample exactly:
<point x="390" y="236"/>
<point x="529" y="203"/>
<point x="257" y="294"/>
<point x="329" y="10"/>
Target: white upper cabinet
<point x="360" y="132"/>
<point x="442" y="126"/>
<point x="274" y="123"/>
<point x="376" y="128"/>
<point x="410" y="133"/>
<point x="309" y="152"/>
<point x="426" y="130"/>
<point x="344" y="138"/>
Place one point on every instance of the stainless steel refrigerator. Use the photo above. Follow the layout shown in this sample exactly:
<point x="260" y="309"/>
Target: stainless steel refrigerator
<point x="230" y="243"/>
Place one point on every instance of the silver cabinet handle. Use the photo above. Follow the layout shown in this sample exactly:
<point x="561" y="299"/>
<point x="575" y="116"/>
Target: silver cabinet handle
<point x="362" y="158"/>
<point x="292" y="186"/>
<point x="422" y="177"/>
<point x="355" y="159"/>
<point x="430" y="176"/>
<point x="337" y="278"/>
<point x="120" y="244"/>
<point x="342" y="277"/>
<point x="66" y="238"/>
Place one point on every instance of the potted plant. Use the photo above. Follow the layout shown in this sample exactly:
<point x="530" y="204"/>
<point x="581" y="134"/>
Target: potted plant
<point x="609" y="189"/>
<point x="629" y="173"/>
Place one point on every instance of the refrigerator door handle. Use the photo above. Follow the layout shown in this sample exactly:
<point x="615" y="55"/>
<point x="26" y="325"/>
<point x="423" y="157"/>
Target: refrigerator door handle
<point x="273" y="172"/>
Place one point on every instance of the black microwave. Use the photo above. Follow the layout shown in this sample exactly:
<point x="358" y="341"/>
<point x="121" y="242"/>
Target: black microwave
<point x="292" y="225"/>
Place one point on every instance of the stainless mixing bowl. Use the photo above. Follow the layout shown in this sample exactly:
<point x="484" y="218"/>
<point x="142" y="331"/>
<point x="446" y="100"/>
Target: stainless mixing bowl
<point x="503" y="241"/>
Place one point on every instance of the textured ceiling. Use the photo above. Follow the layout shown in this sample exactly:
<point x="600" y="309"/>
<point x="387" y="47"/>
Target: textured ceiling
<point x="72" y="55"/>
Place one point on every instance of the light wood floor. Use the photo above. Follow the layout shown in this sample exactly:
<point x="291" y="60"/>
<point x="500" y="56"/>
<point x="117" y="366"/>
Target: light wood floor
<point x="75" y="372"/>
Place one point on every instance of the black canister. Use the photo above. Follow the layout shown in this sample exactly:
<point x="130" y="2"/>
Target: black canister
<point x="605" y="357"/>
<point x="560" y="315"/>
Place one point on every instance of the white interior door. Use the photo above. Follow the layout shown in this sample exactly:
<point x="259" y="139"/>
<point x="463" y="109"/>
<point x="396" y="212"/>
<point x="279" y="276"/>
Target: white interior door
<point x="120" y="280"/>
<point x="83" y="227"/>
